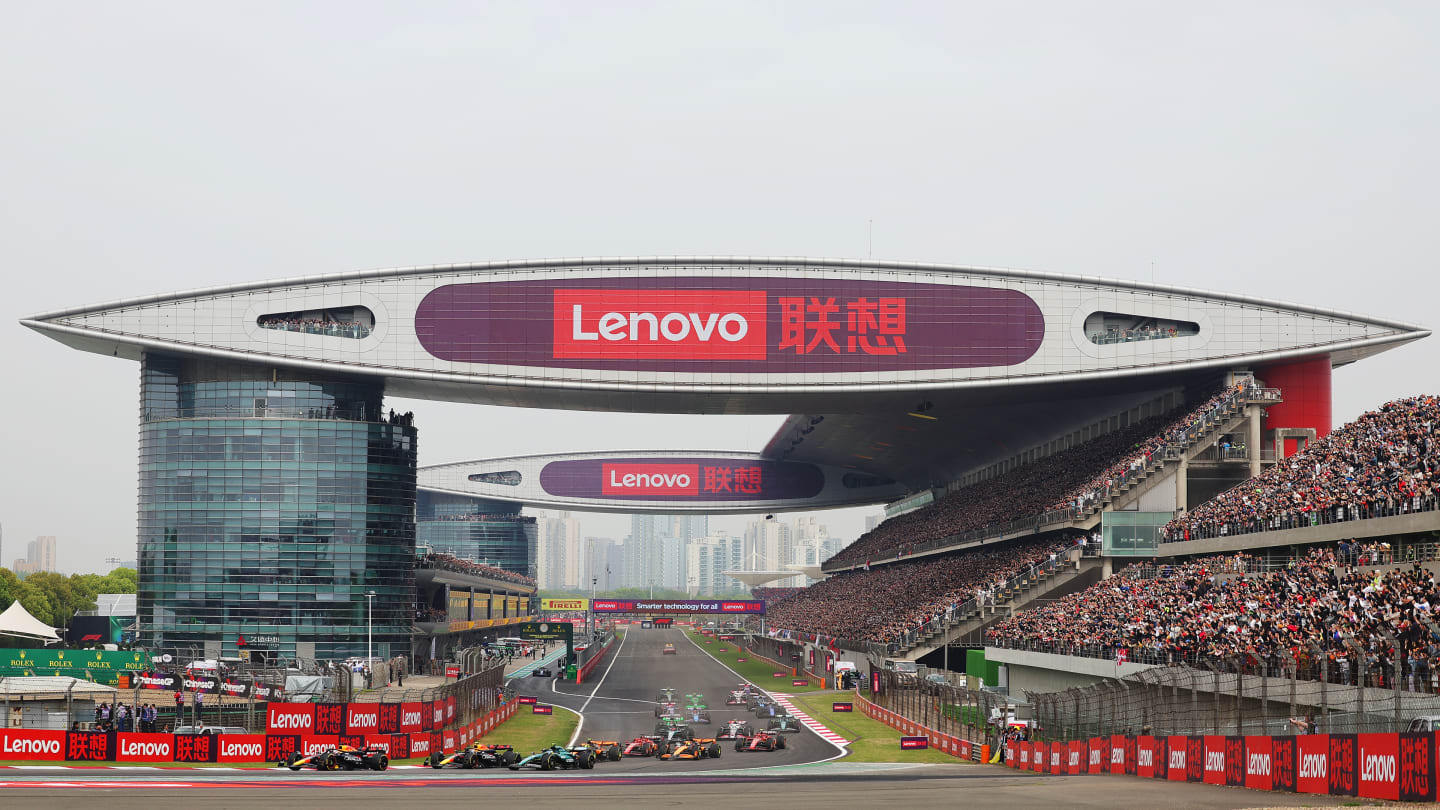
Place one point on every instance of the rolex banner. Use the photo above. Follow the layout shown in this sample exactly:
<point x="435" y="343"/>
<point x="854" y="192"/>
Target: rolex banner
<point x="101" y="666"/>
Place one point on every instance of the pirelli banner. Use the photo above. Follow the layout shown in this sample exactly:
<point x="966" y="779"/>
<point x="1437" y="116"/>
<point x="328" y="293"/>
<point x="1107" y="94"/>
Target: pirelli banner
<point x="559" y="605"/>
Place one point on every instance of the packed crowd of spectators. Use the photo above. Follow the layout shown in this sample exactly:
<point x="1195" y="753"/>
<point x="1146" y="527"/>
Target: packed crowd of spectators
<point x="1385" y="462"/>
<point x="446" y="562"/>
<point x="773" y="595"/>
<point x="1345" y="602"/>
<point x="888" y="602"/>
<point x="1078" y="479"/>
<point x="317" y="326"/>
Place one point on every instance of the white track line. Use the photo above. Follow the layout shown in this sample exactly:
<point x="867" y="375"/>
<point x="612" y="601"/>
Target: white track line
<point x="809" y="722"/>
<point x="843" y="751"/>
<point x="581" y="713"/>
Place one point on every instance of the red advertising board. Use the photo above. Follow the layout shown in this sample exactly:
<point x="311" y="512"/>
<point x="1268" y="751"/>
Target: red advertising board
<point x="1077" y="754"/>
<point x="1096" y="749"/>
<point x="196" y="748"/>
<point x="1313" y="774"/>
<point x="1145" y="755"/>
<point x="908" y="743"/>
<point x="1214" y="760"/>
<point x="449" y="741"/>
<point x="1379" y="766"/>
<point x="420" y="745"/>
<point x="412" y="717"/>
<point x="145" y="747"/>
<point x="242" y="748"/>
<point x="1178" y="750"/>
<point x="1117" y="754"/>
<point x="1039" y="758"/>
<point x="1417" y="767"/>
<point x="362" y="718"/>
<point x="290" y="718"/>
<point x="1258" y="765"/>
<point x="19" y="743"/>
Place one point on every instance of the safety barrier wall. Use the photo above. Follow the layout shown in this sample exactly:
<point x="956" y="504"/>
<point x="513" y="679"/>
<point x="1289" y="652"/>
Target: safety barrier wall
<point x="954" y="746"/>
<point x="413" y="732"/>
<point x="1397" y="767"/>
<point x="589" y="666"/>
<point x="797" y="672"/>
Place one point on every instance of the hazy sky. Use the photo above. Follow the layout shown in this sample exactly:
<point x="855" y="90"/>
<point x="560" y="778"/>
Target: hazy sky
<point x="1281" y="150"/>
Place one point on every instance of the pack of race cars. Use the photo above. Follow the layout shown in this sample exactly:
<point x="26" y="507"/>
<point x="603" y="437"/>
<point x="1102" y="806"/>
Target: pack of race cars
<point x="672" y="739"/>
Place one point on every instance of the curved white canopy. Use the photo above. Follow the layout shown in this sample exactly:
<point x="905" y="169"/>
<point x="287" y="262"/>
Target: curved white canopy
<point x="17" y="621"/>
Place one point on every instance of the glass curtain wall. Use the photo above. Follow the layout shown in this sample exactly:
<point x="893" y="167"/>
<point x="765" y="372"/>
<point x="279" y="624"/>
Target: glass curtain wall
<point x="271" y="502"/>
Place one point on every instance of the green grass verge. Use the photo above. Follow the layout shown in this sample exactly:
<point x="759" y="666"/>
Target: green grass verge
<point x="761" y="673"/>
<point x="528" y="732"/>
<point x="873" y="741"/>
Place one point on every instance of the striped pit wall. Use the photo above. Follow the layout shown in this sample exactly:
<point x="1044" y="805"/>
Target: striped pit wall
<point x="954" y="746"/>
<point x="1372" y="766"/>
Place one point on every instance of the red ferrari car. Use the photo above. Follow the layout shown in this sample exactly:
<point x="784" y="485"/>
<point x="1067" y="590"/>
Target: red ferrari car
<point x="760" y="741"/>
<point x="642" y="747"/>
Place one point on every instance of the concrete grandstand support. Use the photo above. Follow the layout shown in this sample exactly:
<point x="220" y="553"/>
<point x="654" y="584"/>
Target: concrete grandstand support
<point x="1396" y="525"/>
<point x="969" y="629"/>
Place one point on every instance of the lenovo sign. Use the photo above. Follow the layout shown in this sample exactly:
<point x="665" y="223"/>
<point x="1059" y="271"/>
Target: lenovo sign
<point x="295" y="718"/>
<point x="725" y="325"/>
<point x="659" y="324"/>
<point x="650" y="479"/>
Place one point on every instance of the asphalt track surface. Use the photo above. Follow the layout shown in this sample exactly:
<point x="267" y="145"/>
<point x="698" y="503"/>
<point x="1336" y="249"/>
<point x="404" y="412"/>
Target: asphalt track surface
<point x="619" y="704"/>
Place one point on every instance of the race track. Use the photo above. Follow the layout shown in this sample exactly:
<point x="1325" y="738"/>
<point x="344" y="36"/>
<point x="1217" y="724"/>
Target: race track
<point x="620" y="705"/>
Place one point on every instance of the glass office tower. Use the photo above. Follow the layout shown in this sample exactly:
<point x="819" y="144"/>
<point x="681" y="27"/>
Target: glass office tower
<point x="477" y="529"/>
<point x="272" y="501"/>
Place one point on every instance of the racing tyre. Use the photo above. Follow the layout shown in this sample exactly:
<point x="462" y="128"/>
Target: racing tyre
<point x="380" y="763"/>
<point x="714" y="750"/>
<point x="510" y="758"/>
<point x="291" y="760"/>
<point x="779" y="743"/>
<point x="331" y="764"/>
<point x="739" y="746"/>
<point x="614" y="753"/>
<point x="662" y="749"/>
<point x="547" y="763"/>
<point x="584" y="760"/>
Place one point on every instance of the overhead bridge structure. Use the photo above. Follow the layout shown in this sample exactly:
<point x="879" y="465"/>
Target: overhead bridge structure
<point x="278" y="494"/>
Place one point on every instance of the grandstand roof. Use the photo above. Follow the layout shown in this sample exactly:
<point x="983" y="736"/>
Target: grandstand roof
<point x="986" y="360"/>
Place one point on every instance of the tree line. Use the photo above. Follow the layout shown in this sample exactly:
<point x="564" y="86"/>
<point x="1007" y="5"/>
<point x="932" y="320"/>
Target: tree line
<point x="54" y="598"/>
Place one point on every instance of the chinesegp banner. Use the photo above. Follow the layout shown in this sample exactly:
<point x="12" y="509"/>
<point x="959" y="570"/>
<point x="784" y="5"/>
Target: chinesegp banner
<point x="686" y="606"/>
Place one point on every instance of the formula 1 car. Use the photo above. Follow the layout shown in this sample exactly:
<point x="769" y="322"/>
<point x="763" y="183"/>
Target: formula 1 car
<point x="668" y="649"/>
<point x="558" y="757"/>
<point x="667" y="695"/>
<point x="341" y="758"/>
<point x="766" y="708"/>
<point x="669" y="725"/>
<point x="695" y="701"/>
<point x="734" y="730"/>
<point x="694" y="714"/>
<point x="642" y="747"/>
<point x="605" y="749"/>
<point x="542" y="672"/>
<point x="667" y="710"/>
<point x="693" y="748"/>
<point x="763" y="741"/>
<point x="478" y="755"/>
<point x="787" y="723"/>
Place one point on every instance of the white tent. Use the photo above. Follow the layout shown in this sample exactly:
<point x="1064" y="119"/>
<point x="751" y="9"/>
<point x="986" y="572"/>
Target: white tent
<point x="17" y="621"/>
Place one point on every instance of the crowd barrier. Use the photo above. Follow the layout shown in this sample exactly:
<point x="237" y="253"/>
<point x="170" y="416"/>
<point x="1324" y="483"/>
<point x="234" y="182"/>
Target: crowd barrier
<point x="589" y="666"/>
<point x="954" y="746"/>
<point x="1397" y="767"/>
<point x="403" y="730"/>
